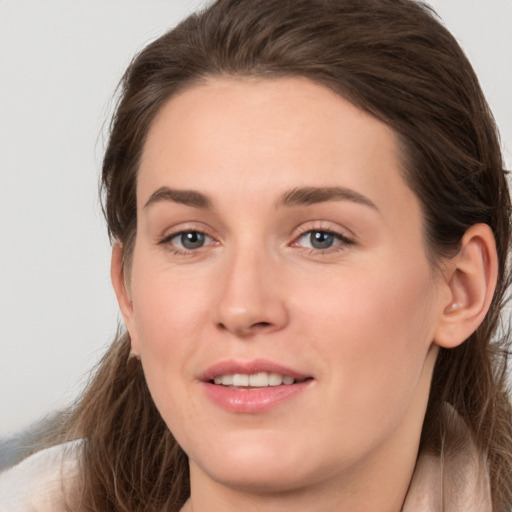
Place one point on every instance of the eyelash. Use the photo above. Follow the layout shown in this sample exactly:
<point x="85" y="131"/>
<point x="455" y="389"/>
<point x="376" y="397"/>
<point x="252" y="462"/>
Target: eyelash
<point x="166" y="240"/>
<point x="342" y="241"/>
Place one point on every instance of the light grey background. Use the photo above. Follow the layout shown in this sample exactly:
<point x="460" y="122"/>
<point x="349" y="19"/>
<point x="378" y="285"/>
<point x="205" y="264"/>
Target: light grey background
<point x="59" y="64"/>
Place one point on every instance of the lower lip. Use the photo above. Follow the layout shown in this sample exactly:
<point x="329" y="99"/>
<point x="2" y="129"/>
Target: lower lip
<point x="253" y="400"/>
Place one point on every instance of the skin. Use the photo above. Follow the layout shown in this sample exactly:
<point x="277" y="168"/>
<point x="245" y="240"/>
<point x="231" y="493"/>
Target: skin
<point x="363" y="318"/>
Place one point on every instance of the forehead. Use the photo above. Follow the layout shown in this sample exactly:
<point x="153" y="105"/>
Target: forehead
<point x="260" y="135"/>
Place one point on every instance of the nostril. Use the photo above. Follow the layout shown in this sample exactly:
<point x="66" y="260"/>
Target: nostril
<point x="245" y="330"/>
<point x="261" y="324"/>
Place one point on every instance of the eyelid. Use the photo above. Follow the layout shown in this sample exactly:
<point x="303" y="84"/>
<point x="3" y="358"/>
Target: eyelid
<point x="184" y="227"/>
<point x="344" y="240"/>
<point x="173" y="234"/>
<point x="342" y="232"/>
<point x="169" y="234"/>
<point x="338" y="232"/>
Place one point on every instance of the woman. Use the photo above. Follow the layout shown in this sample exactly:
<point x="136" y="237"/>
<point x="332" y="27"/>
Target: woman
<point x="311" y="224"/>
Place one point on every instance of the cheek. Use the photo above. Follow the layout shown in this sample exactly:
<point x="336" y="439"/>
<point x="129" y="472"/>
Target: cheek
<point x="373" y="330"/>
<point x="368" y="308"/>
<point x="169" y="316"/>
<point x="166" y="308"/>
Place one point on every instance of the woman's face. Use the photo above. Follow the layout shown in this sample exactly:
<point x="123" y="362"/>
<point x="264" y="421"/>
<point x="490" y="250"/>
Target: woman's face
<point x="277" y="242"/>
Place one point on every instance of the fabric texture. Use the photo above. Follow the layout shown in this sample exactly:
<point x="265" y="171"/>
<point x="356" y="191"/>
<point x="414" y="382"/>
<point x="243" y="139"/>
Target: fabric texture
<point x="42" y="482"/>
<point x="452" y="483"/>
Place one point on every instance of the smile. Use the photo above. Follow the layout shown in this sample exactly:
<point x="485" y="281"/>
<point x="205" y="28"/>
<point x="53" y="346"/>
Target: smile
<point x="252" y="387"/>
<point x="255" y="380"/>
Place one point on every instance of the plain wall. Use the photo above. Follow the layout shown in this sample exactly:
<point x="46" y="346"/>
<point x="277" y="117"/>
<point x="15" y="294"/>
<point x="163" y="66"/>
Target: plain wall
<point x="59" y="64"/>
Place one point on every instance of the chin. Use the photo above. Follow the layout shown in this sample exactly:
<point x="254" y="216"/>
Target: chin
<point x="268" y="478"/>
<point x="257" y="466"/>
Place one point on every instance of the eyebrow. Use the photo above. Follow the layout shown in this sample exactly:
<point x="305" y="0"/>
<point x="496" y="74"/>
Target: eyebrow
<point x="312" y="195"/>
<point x="301" y="196"/>
<point x="186" y="197"/>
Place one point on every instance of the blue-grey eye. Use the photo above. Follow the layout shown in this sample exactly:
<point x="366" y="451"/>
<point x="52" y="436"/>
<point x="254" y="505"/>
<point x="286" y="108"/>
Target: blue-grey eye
<point x="190" y="240"/>
<point x="320" y="240"/>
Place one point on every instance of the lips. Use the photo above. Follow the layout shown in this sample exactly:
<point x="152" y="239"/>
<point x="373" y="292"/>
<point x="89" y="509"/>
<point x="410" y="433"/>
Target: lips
<point x="253" y="386"/>
<point x="249" y="368"/>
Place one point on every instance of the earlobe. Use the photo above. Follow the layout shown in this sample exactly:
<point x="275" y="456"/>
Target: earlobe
<point x="121" y="288"/>
<point x="471" y="277"/>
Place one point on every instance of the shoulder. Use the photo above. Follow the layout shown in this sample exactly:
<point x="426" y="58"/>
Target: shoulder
<point x="40" y="482"/>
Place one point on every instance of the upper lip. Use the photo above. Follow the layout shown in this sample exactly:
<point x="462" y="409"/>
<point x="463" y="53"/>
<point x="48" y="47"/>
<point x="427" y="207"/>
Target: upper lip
<point x="230" y="367"/>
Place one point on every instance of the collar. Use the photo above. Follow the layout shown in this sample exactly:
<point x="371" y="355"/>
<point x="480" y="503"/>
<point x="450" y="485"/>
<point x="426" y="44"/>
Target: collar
<point x="455" y="480"/>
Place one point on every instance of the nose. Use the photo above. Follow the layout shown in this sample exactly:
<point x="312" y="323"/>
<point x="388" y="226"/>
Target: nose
<point x="252" y="299"/>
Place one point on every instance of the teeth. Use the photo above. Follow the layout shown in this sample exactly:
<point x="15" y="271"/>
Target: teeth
<point x="227" y="380"/>
<point x="258" y="380"/>
<point x="255" y="380"/>
<point x="239" y="379"/>
<point x="274" y="379"/>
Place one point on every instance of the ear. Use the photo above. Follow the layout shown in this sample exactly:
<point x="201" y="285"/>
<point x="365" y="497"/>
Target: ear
<point x="471" y="278"/>
<point x="122" y="291"/>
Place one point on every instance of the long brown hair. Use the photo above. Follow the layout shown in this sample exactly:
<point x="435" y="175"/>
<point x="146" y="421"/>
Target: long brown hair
<point x="391" y="58"/>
